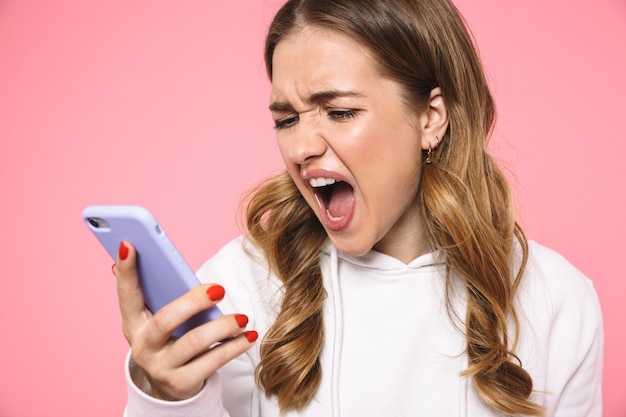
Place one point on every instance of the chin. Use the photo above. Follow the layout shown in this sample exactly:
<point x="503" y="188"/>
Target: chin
<point x="350" y="247"/>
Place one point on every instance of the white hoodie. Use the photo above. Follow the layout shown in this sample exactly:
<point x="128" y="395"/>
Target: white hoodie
<point x="392" y="349"/>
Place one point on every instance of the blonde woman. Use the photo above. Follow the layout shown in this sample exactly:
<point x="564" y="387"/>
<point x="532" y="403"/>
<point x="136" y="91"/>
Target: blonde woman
<point x="383" y="274"/>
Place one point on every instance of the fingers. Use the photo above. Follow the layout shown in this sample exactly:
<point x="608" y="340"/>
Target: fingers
<point x="186" y="381"/>
<point x="175" y="313"/>
<point x="129" y="292"/>
<point x="208" y="336"/>
<point x="155" y="329"/>
<point x="178" y="368"/>
<point x="225" y="352"/>
<point x="179" y="383"/>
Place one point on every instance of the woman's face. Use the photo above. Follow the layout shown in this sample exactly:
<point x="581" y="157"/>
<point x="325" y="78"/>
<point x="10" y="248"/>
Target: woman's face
<point x="349" y="141"/>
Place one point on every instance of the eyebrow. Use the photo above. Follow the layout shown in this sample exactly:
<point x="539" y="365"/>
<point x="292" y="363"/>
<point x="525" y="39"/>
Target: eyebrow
<point x="319" y="97"/>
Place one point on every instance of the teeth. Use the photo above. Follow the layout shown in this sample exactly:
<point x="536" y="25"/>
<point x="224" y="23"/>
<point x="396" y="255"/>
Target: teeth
<point x="335" y="219"/>
<point x="321" y="182"/>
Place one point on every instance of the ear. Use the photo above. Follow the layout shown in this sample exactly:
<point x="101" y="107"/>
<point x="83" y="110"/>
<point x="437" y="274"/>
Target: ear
<point x="434" y="120"/>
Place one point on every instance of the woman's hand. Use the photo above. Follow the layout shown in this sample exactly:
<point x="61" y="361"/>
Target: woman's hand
<point x="176" y="369"/>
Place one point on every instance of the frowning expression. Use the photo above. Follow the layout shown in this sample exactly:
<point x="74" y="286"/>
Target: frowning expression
<point x="348" y="139"/>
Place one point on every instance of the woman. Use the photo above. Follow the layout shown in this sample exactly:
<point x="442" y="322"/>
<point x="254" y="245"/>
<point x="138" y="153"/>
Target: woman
<point x="384" y="272"/>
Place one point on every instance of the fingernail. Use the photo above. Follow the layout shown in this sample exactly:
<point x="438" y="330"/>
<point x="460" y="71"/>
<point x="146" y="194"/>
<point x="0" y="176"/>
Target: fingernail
<point x="215" y="292"/>
<point x="113" y="269"/>
<point x="251" y="336"/>
<point x="242" y="320"/>
<point x="123" y="251"/>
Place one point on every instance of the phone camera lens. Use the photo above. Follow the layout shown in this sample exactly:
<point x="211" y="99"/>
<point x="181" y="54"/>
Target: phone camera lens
<point x="99" y="223"/>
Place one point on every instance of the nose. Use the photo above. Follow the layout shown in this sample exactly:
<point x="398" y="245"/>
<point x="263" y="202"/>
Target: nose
<point x="307" y="142"/>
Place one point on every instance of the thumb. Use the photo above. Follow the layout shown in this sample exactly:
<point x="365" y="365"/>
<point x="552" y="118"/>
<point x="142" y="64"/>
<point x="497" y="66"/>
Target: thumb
<point x="130" y="296"/>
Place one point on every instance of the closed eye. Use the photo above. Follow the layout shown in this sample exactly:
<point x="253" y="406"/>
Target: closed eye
<point x="343" y="115"/>
<point x="338" y="115"/>
<point x="286" y="122"/>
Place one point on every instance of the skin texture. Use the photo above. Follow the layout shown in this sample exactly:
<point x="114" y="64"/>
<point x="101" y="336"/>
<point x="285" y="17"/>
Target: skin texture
<point x="338" y="117"/>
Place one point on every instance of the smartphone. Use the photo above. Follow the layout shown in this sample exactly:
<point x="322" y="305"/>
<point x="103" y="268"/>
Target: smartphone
<point x="163" y="273"/>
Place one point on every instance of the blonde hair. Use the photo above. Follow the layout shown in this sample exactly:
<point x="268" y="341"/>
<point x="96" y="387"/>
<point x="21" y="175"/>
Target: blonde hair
<point x="466" y="204"/>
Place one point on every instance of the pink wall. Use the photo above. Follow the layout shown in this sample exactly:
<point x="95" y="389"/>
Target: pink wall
<point x="143" y="102"/>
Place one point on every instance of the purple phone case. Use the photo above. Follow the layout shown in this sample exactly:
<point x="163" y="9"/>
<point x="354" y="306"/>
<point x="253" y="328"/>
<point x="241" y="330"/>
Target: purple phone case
<point x="163" y="273"/>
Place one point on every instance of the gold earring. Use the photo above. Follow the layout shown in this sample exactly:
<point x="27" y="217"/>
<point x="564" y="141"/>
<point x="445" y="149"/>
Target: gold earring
<point x="430" y="151"/>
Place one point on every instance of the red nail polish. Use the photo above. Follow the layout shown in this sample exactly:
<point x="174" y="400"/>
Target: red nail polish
<point x="113" y="269"/>
<point x="215" y="292"/>
<point x="123" y="251"/>
<point x="242" y="320"/>
<point x="251" y="336"/>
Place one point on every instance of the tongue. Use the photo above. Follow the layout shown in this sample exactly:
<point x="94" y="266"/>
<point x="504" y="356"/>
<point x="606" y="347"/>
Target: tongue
<point x="341" y="200"/>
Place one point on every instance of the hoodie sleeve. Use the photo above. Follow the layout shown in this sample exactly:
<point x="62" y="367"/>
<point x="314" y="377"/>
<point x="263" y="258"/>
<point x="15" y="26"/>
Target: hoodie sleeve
<point x="207" y="403"/>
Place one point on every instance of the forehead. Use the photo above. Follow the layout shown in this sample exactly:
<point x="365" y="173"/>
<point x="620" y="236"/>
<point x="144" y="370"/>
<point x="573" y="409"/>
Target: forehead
<point x="313" y="58"/>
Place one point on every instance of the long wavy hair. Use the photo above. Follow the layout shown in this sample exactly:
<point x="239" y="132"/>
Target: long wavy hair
<point x="465" y="202"/>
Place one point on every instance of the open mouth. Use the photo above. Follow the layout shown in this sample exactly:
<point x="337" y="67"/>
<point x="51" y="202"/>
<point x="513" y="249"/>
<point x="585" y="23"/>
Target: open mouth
<point x="336" y="200"/>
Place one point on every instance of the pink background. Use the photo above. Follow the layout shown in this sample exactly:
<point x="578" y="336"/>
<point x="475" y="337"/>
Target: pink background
<point x="149" y="103"/>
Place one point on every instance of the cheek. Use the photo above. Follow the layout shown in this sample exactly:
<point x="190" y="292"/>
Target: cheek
<point x="294" y="173"/>
<point x="388" y="152"/>
<point x="358" y="141"/>
<point x="282" y="148"/>
<point x="292" y="168"/>
<point x="392" y="169"/>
